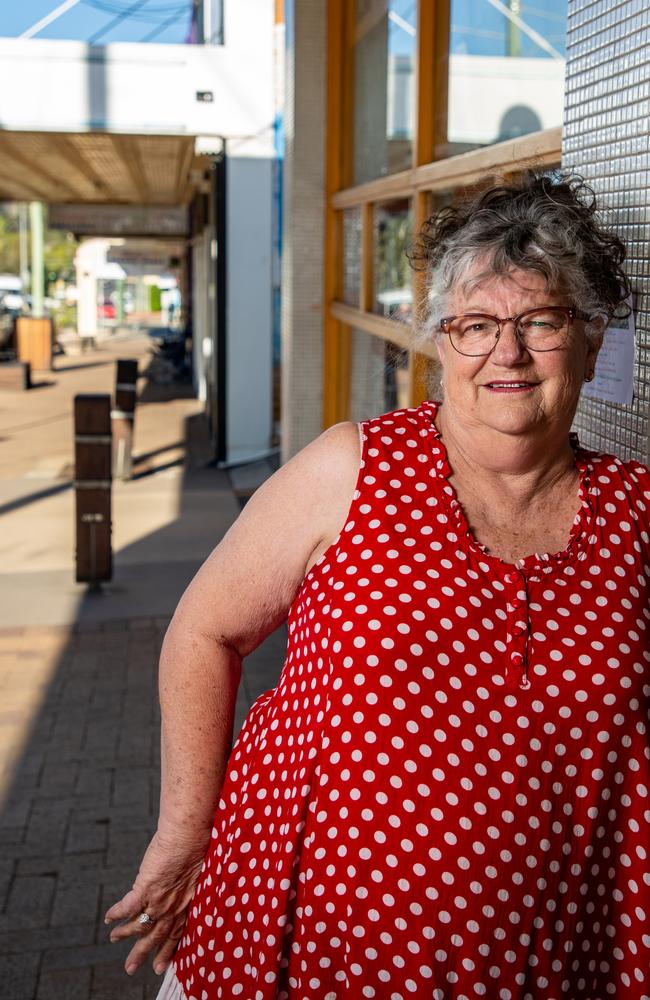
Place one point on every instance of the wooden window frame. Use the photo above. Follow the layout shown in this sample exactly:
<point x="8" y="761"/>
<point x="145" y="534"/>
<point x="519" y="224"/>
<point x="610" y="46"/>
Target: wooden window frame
<point x="426" y="176"/>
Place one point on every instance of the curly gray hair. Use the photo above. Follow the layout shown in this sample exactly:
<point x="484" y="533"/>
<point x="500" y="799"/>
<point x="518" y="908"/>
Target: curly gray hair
<point x="548" y="223"/>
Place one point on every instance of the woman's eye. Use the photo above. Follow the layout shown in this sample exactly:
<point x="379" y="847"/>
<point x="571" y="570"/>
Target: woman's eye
<point x="538" y="325"/>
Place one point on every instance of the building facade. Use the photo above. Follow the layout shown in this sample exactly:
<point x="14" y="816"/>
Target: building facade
<point x="393" y="109"/>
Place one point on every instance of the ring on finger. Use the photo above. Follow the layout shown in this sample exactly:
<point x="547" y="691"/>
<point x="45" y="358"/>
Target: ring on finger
<point x="144" y="919"/>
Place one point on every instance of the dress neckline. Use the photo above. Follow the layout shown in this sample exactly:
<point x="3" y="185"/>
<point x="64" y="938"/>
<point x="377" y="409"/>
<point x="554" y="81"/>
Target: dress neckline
<point x="536" y="561"/>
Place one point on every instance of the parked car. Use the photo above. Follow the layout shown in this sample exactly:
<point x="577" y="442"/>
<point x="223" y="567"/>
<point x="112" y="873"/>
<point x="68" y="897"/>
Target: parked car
<point x="11" y="306"/>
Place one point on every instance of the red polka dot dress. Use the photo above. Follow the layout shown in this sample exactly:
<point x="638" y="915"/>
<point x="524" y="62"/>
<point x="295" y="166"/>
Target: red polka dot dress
<point x="447" y="794"/>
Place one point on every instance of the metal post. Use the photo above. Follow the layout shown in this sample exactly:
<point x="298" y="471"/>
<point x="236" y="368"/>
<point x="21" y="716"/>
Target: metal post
<point x="514" y="36"/>
<point x="23" y="227"/>
<point x="37" y="218"/>
<point x="120" y="300"/>
<point x="122" y="417"/>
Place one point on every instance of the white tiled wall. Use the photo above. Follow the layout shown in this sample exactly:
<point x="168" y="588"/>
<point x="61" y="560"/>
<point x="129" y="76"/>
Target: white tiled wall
<point x="605" y="138"/>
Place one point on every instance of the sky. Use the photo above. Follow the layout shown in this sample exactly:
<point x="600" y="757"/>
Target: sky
<point x="170" y="19"/>
<point x="477" y="28"/>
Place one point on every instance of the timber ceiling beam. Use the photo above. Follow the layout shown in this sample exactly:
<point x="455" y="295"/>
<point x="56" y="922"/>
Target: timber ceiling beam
<point x="12" y="189"/>
<point x="67" y="148"/>
<point x="46" y="185"/>
<point x="127" y="149"/>
<point x="185" y="159"/>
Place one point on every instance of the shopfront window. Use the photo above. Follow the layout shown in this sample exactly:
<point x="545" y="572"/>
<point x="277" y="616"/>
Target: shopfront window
<point x="384" y="60"/>
<point x="379" y="377"/>
<point x="506" y="70"/>
<point x="393" y="230"/>
<point x="352" y="256"/>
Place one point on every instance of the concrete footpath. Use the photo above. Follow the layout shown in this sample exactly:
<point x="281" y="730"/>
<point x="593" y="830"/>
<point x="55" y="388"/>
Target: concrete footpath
<point x="79" y="720"/>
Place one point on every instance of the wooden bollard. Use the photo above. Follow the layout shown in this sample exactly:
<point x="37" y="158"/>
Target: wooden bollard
<point x="92" y="422"/>
<point x="122" y="416"/>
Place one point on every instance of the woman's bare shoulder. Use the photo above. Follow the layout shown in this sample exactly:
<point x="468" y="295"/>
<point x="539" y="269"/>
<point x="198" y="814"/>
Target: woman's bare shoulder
<point x="338" y="469"/>
<point x="245" y="588"/>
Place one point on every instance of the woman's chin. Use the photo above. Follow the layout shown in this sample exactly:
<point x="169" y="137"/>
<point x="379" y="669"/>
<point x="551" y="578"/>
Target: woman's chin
<point x="512" y="418"/>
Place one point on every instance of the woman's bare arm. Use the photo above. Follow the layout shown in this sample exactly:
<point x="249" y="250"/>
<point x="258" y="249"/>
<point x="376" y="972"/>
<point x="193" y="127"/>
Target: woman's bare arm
<point x="238" y="597"/>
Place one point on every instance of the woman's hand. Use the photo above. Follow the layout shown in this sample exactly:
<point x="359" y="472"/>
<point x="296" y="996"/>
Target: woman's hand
<point x="163" y="889"/>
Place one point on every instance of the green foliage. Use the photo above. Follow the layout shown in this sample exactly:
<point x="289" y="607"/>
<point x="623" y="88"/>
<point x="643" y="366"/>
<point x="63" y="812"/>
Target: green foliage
<point x="9" y="245"/>
<point x="59" y="252"/>
<point x="393" y="237"/>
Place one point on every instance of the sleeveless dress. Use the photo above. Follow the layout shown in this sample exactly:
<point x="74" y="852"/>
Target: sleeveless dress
<point x="447" y="794"/>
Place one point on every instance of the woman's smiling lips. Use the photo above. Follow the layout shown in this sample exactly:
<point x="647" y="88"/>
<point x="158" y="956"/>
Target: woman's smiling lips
<point x="503" y="385"/>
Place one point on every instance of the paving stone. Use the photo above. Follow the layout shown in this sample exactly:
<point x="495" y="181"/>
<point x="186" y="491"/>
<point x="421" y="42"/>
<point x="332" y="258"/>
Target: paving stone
<point x="86" y="956"/>
<point x="29" y="902"/>
<point x="85" y="837"/>
<point x="128" y="844"/>
<point x="42" y="938"/>
<point x="7" y="870"/>
<point x="66" y="865"/>
<point x="114" y="977"/>
<point x="10" y="837"/>
<point x="73" y="984"/>
<point x="101" y="740"/>
<point x="47" y="826"/>
<point x="74" y="902"/>
<point x="94" y="781"/>
<point x="58" y="778"/>
<point x="137" y="624"/>
<point x="15" y="812"/>
<point x="132" y="991"/>
<point x="133" y="816"/>
<point x="132" y="786"/>
<point x="18" y="975"/>
<point x="28" y="768"/>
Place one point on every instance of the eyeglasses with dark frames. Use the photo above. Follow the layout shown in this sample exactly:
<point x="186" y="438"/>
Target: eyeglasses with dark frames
<point x="545" y="328"/>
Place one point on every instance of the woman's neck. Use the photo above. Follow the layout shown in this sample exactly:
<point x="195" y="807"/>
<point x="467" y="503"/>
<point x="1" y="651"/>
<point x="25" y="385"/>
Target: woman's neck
<point x="521" y="467"/>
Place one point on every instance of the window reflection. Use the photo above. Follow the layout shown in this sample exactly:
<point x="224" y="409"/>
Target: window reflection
<point x="379" y="379"/>
<point x="506" y="70"/>
<point x="352" y="256"/>
<point x="393" y="230"/>
<point x="385" y="46"/>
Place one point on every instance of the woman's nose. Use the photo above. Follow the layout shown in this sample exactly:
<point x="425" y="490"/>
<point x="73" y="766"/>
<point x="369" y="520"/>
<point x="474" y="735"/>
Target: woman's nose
<point x="509" y="347"/>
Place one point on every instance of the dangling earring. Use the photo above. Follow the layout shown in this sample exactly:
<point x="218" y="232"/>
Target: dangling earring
<point x="589" y="377"/>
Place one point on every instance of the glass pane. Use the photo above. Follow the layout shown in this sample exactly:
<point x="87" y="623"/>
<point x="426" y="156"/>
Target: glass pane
<point x="102" y="22"/>
<point x="379" y="376"/>
<point x="393" y="226"/>
<point x="506" y="71"/>
<point x="352" y="256"/>
<point x="385" y="46"/>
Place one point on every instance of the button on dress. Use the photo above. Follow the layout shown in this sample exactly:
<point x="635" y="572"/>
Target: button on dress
<point x="447" y="794"/>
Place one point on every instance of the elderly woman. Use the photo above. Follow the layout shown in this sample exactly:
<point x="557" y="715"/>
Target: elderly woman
<point x="447" y="794"/>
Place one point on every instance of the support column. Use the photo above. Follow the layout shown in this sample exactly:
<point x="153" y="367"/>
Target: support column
<point x="37" y="219"/>
<point x="304" y="207"/>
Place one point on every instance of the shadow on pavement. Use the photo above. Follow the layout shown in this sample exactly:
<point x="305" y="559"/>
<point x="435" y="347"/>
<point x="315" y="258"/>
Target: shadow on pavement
<point x="81" y="802"/>
<point x="43" y="494"/>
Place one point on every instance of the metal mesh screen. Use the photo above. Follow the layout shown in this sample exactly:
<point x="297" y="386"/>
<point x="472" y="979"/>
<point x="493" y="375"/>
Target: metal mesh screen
<point x="605" y="138"/>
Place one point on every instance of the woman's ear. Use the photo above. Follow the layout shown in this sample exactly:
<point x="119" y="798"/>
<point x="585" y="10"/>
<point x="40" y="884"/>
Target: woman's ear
<point x="595" y="336"/>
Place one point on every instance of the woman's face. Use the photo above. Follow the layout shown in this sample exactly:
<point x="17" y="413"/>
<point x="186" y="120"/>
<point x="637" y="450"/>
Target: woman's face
<point x="514" y="390"/>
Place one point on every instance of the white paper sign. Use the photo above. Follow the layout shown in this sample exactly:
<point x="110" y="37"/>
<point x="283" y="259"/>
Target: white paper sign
<point x="614" y="378"/>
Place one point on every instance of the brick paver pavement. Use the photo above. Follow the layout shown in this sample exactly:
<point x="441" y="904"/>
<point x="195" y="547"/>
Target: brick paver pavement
<point x="81" y="799"/>
<point x="79" y="722"/>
